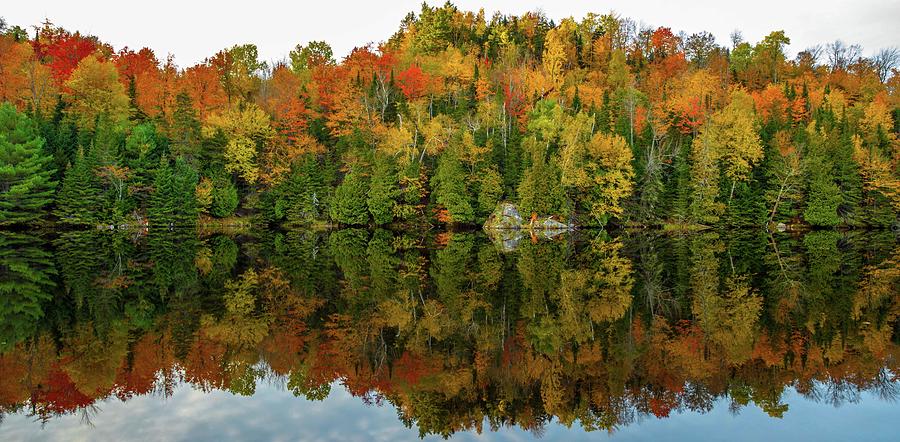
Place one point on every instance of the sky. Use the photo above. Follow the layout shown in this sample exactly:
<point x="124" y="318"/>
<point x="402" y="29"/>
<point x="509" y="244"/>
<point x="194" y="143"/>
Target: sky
<point x="275" y="414"/>
<point x="195" y="30"/>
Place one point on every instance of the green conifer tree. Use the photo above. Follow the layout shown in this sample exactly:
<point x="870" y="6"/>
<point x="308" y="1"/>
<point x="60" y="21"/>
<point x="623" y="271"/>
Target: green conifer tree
<point x="185" y="128"/>
<point x="449" y="184"/>
<point x="823" y="195"/>
<point x="540" y="190"/>
<point x="161" y="210"/>
<point x="26" y="173"/>
<point x="224" y="197"/>
<point x="174" y="199"/>
<point x="79" y="200"/>
<point x="300" y="196"/>
<point x="490" y="190"/>
<point x="348" y="206"/>
<point x="383" y="191"/>
<point x="185" y="208"/>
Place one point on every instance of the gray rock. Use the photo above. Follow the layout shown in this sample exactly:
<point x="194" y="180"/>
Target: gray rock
<point x="506" y="216"/>
<point x="552" y="224"/>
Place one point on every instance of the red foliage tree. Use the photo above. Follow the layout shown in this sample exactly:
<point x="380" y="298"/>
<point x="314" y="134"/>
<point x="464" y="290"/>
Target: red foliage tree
<point x="62" y="52"/>
<point x="412" y="82"/>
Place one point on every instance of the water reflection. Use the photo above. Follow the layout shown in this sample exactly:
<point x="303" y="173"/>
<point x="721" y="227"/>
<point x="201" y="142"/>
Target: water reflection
<point x="457" y="332"/>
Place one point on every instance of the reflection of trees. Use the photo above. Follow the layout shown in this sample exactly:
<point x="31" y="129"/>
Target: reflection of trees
<point x="173" y="256"/>
<point x="26" y="271"/>
<point x="726" y="311"/>
<point x="91" y="361"/>
<point x="462" y="334"/>
<point x="650" y="282"/>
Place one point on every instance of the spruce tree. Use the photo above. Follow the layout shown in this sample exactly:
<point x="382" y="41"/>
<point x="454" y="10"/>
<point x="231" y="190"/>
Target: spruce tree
<point x="60" y="136"/>
<point x="823" y="195"/>
<point x="450" y="191"/>
<point x="224" y="197"/>
<point x="79" y="198"/>
<point x="161" y="210"/>
<point x="185" y="196"/>
<point x="540" y="191"/>
<point x="348" y="206"/>
<point x="299" y="197"/>
<point x="185" y="128"/>
<point x="140" y="154"/>
<point x="383" y="190"/>
<point x="174" y="200"/>
<point x="490" y="190"/>
<point x="26" y="173"/>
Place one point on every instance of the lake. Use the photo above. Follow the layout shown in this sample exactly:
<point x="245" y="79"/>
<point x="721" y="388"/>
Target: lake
<point x="377" y="335"/>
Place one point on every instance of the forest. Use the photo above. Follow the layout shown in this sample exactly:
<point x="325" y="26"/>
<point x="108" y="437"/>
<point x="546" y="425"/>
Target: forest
<point x="599" y="122"/>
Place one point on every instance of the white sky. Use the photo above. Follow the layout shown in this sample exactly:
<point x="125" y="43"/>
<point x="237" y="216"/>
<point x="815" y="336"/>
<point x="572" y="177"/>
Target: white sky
<point x="194" y="30"/>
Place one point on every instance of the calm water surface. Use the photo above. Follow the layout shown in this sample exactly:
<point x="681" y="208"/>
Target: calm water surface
<point x="362" y="335"/>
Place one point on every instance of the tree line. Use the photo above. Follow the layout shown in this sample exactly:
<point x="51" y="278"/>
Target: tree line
<point x="598" y="120"/>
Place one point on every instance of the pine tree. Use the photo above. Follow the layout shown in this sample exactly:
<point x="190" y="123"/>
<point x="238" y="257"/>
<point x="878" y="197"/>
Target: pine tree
<point x="185" y="132"/>
<point x="185" y="178"/>
<point x="161" y="210"/>
<point x="383" y="191"/>
<point x="348" y="206"/>
<point x="540" y="190"/>
<point x="224" y="197"/>
<point x="174" y="199"/>
<point x="26" y="174"/>
<point x="449" y="183"/>
<point x="79" y="198"/>
<point x="299" y="197"/>
<point x="823" y="195"/>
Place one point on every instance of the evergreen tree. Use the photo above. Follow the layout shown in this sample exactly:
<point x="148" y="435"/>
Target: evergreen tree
<point x="823" y="195"/>
<point x="79" y="198"/>
<point x="26" y="173"/>
<point x="348" y="206"/>
<point x="678" y="188"/>
<point x="383" y="191"/>
<point x="540" y="190"/>
<point x="185" y="132"/>
<point x="60" y="135"/>
<point x="298" y="199"/>
<point x="449" y="184"/>
<point x="184" y="197"/>
<point x="174" y="199"/>
<point x="490" y="190"/>
<point x="224" y="197"/>
<point x="847" y="177"/>
<point x="140" y="154"/>
<point x="161" y="210"/>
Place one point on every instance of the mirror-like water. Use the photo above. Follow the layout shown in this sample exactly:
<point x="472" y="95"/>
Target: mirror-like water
<point x="355" y="334"/>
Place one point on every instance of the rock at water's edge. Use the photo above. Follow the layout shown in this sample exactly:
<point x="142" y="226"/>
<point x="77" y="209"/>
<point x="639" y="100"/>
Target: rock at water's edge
<point x="507" y="217"/>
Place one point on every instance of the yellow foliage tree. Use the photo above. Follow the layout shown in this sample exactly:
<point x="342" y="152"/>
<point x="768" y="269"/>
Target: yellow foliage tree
<point x="247" y="130"/>
<point x="731" y="140"/>
<point x="94" y="90"/>
<point x="560" y="52"/>
<point x="597" y="169"/>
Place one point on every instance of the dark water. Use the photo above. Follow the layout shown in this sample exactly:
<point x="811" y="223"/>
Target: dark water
<point x="361" y="335"/>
